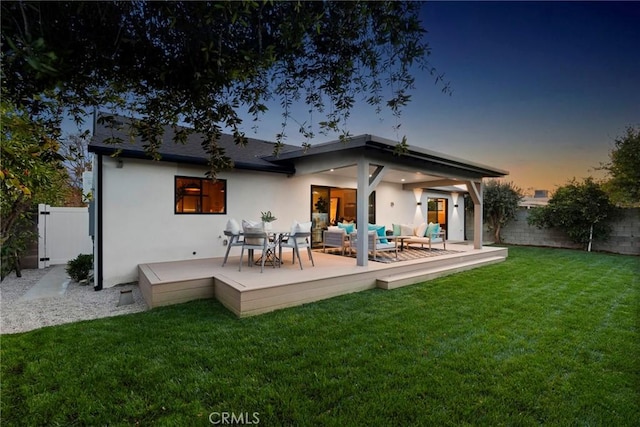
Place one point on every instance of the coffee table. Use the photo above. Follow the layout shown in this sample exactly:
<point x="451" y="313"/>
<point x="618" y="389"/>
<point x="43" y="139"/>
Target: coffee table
<point x="400" y="238"/>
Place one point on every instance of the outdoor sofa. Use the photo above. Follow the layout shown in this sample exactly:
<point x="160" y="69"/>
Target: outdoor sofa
<point x="423" y="234"/>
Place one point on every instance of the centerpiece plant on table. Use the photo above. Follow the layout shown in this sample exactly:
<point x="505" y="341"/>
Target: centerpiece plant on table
<point x="267" y="219"/>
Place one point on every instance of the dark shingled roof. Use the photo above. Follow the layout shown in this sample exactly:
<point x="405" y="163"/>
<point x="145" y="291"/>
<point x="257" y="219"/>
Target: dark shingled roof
<point x="251" y="156"/>
<point x="258" y="154"/>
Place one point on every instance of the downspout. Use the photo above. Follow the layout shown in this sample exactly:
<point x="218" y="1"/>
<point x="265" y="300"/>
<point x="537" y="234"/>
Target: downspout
<point x="99" y="234"/>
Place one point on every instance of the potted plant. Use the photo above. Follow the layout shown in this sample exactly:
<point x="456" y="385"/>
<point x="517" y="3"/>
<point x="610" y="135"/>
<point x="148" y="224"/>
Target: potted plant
<point x="267" y="219"/>
<point x="322" y="205"/>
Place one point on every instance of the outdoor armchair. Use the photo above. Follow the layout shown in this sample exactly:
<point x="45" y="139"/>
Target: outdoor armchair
<point x="375" y="244"/>
<point x="335" y="237"/>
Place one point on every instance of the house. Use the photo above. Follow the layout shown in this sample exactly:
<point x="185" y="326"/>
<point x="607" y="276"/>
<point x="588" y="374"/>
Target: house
<point x="152" y="211"/>
<point x="540" y="198"/>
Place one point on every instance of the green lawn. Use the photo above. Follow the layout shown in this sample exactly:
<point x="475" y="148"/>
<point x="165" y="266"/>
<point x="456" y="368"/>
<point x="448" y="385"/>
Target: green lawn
<point x="547" y="337"/>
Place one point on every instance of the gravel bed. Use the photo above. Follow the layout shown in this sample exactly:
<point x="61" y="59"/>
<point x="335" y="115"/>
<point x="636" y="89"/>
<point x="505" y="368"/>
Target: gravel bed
<point x="79" y="302"/>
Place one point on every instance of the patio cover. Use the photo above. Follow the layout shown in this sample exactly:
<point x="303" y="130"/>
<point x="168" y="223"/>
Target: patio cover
<point x="371" y="158"/>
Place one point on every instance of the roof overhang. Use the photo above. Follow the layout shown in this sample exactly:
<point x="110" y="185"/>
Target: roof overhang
<point x="415" y="168"/>
<point x="190" y="160"/>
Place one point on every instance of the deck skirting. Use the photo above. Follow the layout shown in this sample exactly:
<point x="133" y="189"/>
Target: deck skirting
<point x="258" y="301"/>
<point x="419" y="276"/>
<point x="157" y="292"/>
<point x="250" y="292"/>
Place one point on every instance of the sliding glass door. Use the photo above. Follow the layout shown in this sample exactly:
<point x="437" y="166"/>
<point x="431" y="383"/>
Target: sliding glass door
<point x="331" y="205"/>
<point x="319" y="212"/>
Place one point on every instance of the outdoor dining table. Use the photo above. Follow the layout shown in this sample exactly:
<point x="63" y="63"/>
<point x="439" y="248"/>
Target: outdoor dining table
<point x="271" y="253"/>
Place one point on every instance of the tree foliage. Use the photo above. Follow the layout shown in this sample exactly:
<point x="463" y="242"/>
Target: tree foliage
<point x="580" y="209"/>
<point x="204" y="63"/>
<point x="31" y="172"/>
<point x="75" y="150"/>
<point x="500" y="204"/>
<point x="624" y="169"/>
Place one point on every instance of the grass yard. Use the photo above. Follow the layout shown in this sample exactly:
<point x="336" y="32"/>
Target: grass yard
<point x="547" y="337"/>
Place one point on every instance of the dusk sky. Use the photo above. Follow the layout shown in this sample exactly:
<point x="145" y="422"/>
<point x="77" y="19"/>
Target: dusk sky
<point x="540" y="89"/>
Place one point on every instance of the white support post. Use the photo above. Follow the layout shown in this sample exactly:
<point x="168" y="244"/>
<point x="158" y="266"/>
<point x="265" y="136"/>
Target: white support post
<point x="362" y="215"/>
<point x="475" y="191"/>
<point x="366" y="186"/>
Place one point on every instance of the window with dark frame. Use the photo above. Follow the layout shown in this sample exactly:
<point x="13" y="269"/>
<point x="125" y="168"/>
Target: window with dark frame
<point x="200" y="196"/>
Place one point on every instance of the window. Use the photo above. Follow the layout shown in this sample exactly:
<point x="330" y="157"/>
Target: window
<point x="200" y="196"/>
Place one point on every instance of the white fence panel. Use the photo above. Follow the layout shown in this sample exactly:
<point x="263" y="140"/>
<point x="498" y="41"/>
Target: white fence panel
<point x="63" y="234"/>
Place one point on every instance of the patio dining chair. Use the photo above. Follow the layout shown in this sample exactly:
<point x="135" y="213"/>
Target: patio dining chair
<point x="297" y="240"/>
<point x="299" y="237"/>
<point x="232" y="240"/>
<point x="256" y="238"/>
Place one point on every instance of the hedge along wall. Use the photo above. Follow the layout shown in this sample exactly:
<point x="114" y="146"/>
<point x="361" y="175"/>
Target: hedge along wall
<point x="624" y="238"/>
<point x="519" y="232"/>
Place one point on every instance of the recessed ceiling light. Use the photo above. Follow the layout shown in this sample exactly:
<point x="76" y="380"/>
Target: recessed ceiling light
<point x="402" y="180"/>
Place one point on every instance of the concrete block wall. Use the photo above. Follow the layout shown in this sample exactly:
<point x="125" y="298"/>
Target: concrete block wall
<point x="624" y="238"/>
<point x="519" y="232"/>
<point x="625" y="234"/>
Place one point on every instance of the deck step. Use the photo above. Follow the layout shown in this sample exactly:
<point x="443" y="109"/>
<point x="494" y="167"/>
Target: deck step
<point x="418" y="276"/>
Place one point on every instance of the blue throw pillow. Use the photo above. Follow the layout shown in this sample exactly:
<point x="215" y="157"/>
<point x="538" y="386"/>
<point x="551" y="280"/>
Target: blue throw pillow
<point x="380" y="231"/>
<point x="348" y="228"/>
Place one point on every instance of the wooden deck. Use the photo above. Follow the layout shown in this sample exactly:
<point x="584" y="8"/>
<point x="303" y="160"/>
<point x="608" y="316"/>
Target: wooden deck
<point x="249" y="292"/>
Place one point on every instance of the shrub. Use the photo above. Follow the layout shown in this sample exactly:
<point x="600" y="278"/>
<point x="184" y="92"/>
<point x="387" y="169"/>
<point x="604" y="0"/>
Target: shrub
<point x="78" y="269"/>
<point x="581" y="209"/>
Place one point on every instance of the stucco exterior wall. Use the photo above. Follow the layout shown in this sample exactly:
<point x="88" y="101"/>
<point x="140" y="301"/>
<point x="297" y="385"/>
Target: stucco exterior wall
<point x="140" y="226"/>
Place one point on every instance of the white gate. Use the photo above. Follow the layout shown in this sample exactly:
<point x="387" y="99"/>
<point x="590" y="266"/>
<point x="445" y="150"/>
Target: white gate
<point x="63" y="234"/>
